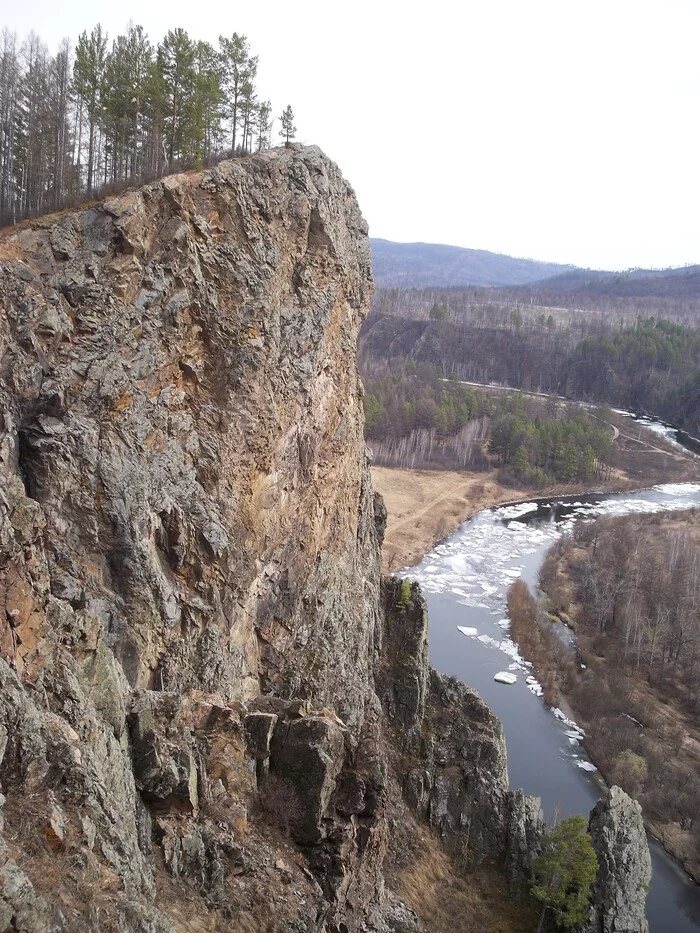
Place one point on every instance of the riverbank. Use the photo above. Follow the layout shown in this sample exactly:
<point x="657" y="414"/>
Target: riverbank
<point x="424" y="506"/>
<point x="633" y="687"/>
<point x="465" y="583"/>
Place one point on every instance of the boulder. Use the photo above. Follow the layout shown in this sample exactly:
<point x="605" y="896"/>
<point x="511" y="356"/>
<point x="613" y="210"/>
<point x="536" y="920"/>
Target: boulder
<point x="308" y="755"/>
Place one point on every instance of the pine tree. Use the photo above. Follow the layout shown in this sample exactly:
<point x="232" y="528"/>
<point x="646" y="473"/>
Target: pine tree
<point x="264" y="124"/>
<point x="9" y="117"/>
<point x="564" y="872"/>
<point x="119" y="114"/>
<point x="126" y="72"/>
<point x="57" y="117"/>
<point x="248" y="111"/>
<point x="239" y="72"/>
<point x="176" y="55"/>
<point x="89" y="78"/>
<point x="288" y="129"/>
<point x="207" y="102"/>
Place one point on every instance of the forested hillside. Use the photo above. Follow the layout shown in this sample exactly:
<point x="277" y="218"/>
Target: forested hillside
<point x="651" y="365"/>
<point x="631" y="588"/>
<point x="415" y="418"/>
<point x="126" y="110"/>
<point x="683" y="282"/>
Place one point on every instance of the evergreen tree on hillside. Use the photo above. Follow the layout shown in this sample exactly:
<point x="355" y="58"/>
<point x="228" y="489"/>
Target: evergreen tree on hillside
<point x="207" y="102"/>
<point x="89" y="80"/>
<point x="127" y="73"/>
<point x="111" y="115"/>
<point x="176" y="55"/>
<point x="239" y="72"/>
<point x="264" y="124"/>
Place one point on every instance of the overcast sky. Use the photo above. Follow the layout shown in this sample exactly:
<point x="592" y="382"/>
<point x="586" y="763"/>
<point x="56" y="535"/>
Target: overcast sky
<point x="562" y="131"/>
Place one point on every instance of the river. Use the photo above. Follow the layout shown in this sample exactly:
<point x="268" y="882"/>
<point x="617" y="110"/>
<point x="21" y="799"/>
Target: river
<point x="465" y="580"/>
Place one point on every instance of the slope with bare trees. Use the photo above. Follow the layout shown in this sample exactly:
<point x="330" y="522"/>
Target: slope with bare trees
<point x="631" y="589"/>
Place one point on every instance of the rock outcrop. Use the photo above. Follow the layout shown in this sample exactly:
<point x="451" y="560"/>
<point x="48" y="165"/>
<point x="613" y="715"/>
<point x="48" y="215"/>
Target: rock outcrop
<point x="203" y="703"/>
<point x="624" y="866"/>
<point x="449" y="749"/>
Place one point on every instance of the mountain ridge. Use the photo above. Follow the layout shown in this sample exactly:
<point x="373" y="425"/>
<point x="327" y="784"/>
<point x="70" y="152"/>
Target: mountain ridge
<point x="423" y="265"/>
<point x="438" y="265"/>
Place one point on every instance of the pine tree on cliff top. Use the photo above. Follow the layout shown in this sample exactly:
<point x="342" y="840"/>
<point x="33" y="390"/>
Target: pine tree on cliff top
<point x="288" y="129"/>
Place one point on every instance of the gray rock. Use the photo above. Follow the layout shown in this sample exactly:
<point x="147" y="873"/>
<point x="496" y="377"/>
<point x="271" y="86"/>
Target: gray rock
<point x="525" y="829"/>
<point x="164" y="764"/>
<point x="62" y="239"/>
<point x="393" y="916"/>
<point x="258" y="731"/>
<point x="22" y="910"/>
<point x="403" y="674"/>
<point x="133" y="917"/>
<point x="308" y="754"/>
<point x="188" y="534"/>
<point x="624" y="866"/>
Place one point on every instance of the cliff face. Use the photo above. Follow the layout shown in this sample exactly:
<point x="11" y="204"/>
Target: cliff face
<point x="181" y="399"/>
<point x="186" y="519"/>
<point x="211" y="714"/>
<point x="624" y="866"/>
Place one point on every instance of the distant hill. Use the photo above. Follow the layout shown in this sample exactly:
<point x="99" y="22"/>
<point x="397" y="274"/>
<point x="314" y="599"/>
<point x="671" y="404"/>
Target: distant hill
<point x="683" y="282"/>
<point x="433" y="265"/>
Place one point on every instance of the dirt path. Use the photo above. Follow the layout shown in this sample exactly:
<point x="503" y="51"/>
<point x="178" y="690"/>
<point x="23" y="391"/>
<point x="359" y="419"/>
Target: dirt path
<point x="452" y="491"/>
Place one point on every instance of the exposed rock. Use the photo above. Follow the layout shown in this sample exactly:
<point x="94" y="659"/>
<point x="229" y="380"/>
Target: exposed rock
<point x="309" y="754"/>
<point x="525" y="830"/>
<point x="163" y="766"/>
<point x="179" y="396"/>
<point x="624" y="866"/>
<point x="189" y="572"/>
<point x="462" y="787"/>
<point x="21" y="909"/>
<point x="456" y="776"/>
<point x="403" y="674"/>
<point x="394" y="917"/>
<point x="133" y="917"/>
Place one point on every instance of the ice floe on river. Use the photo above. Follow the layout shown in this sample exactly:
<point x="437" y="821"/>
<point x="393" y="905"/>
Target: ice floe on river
<point x="505" y="677"/>
<point x="678" y="489"/>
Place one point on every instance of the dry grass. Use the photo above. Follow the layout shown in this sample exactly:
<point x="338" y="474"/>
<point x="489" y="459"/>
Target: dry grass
<point x="426" y="505"/>
<point x="449" y="901"/>
<point x="64" y="871"/>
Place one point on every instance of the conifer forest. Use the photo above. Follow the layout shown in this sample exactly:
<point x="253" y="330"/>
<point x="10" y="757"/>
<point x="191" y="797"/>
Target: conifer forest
<point x="114" y="111"/>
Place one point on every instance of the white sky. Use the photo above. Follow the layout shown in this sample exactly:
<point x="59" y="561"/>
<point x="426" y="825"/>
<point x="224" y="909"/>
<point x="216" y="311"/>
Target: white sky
<point x="558" y="130"/>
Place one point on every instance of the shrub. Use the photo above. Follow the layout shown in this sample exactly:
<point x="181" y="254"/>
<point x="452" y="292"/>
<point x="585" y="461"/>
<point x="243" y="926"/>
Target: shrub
<point x="630" y="771"/>
<point x="405" y="596"/>
<point x="564" y="872"/>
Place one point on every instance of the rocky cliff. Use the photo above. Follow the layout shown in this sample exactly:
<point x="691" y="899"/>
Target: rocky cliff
<point x="624" y="866"/>
<point x="212" y="715"/>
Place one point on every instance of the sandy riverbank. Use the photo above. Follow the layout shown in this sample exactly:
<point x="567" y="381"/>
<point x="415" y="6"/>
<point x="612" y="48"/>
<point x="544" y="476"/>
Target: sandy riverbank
<point x="424" y="506"/>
